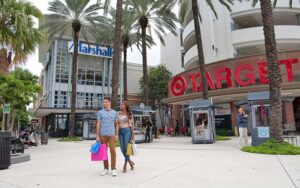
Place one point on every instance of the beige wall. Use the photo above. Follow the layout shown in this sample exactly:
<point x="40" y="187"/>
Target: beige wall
<point x="134" y="73"/>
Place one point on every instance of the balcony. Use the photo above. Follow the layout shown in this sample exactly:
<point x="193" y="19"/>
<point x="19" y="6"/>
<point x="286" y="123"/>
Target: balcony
<point x="250" y="41"/>
<point x="188" y="36"/>
<point x="191" y="58"/>
<point x="245" y="8"/>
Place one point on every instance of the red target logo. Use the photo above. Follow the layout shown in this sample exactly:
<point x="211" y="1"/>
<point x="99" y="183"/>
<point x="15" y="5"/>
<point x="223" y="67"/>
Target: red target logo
<point x="178" y="86"/>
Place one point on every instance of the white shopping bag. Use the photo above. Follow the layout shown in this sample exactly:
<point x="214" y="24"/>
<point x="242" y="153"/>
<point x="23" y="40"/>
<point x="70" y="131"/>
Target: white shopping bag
<point x="134" y="149"/>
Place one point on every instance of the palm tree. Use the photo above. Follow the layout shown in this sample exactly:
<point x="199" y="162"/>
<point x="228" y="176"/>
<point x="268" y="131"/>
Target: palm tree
<point x="117" y="54"/>
<point x="130" y="37"/>
<point x="18" y="36"/>
<point x="157" y="16"/>
<point x="273" y="68"/>
<point x="82" y="19"/>
<point x="196" y="16"/>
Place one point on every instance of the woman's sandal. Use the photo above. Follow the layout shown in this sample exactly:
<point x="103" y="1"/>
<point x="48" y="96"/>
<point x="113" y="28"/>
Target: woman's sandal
<point x="132" y="165"/>
<point x="125" y="167"/>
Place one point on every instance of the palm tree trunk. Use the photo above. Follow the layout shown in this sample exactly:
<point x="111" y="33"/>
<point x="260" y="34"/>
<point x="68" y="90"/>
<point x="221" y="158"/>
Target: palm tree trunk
<point x="273" y="70"/>
<point x="117" y="53"/>
<point x="161" y="116"/>
<point x="125" y="46"/>
<point x="201" y="59"/>
<point x="145" y="67"/>
<point x="74" y="85"/>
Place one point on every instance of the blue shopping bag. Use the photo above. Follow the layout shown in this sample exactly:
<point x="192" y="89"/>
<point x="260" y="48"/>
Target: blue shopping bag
<point x="95" y="147"/>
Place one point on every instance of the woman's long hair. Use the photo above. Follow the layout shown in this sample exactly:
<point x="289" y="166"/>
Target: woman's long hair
<point x="128" y="110"/>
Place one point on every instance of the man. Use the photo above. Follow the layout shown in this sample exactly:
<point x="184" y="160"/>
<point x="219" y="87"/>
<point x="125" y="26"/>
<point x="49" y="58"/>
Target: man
<point x="107" y="132"/>
<point x="154" y="129"/>
<point x="243" y="124"/>
<point x="148" y="126"/>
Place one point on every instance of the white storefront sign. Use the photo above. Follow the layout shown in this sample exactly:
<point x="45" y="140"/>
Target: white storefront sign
<point x="91" y="49"/>
<point x="222" y="109"/>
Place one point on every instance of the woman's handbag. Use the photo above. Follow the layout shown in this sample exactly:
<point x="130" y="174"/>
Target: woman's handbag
<point x="101" y="155"/>
<point x="95" y="147"/>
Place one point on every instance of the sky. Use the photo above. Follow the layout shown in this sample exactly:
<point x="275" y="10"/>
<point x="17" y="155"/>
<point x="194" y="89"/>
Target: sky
<point x="134" y="55"/>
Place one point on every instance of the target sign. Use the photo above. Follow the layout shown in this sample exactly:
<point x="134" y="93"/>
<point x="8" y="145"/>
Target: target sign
<point x="178" y="86"/>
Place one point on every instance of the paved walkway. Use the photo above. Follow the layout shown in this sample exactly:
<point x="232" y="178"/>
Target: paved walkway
<point x="168" y="162"/>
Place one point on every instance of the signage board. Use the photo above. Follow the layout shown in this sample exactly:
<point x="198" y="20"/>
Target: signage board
<point x="91" y="49"/>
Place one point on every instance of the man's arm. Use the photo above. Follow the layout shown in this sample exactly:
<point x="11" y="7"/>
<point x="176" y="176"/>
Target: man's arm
<point x="98" y="124"/>
<point x="117" y="128"/>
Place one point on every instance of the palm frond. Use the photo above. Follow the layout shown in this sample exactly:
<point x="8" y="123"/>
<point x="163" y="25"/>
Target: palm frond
<point x="17" y="32"/>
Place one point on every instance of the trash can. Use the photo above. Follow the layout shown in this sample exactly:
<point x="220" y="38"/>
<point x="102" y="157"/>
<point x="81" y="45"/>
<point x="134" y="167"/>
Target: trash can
<point x="44" y="138"/>
<point x="5" y="142"/>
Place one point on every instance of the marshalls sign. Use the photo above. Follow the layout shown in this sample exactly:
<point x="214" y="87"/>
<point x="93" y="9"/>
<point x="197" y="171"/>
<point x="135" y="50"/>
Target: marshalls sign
<point x="91" y="49"/>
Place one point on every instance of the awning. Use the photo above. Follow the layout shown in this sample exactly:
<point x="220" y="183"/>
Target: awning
<point x="201" y="104"/>
<point x="137" y="109"/>
<point x="41" y="112"/>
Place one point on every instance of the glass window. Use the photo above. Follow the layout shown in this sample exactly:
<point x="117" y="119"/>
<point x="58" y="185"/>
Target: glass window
<point x="61" y="99"/>
<point x="98" y="78"/>
<point x="60" y="121"/>
<point x="80" y="100"/>
<point x="98" y="65"/>
<point x="90" y="77"/>
<point x="81" y="76"/>
<point x="62" y="62"/>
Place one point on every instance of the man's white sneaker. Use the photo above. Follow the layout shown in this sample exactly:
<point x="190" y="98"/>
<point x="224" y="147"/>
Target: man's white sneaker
<point x="114" y="172"/>
<point x="104" y="172"/>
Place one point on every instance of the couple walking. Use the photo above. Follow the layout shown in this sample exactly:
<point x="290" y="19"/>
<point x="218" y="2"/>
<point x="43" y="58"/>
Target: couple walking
<point x="113" y="126"/>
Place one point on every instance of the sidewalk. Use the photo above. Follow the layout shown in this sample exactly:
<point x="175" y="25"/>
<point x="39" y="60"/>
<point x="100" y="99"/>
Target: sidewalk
<point x="168" y="162"/>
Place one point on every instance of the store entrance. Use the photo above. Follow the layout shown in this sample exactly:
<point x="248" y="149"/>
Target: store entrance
<point x="296" y="104"/>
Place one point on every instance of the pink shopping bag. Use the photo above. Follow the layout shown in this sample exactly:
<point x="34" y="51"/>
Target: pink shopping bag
<point x="101" y="155"/>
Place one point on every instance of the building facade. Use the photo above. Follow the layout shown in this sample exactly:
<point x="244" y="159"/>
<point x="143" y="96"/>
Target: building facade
<point x="235" y="61"/>
<point x="94" y="82"/>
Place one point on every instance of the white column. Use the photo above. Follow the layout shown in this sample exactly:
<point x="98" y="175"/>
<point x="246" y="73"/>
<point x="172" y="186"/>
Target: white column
<point x="69" y="94"/>
<point x="53" y="80"/>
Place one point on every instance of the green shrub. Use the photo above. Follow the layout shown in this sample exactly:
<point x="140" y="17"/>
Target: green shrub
<point x="224" y="132"/>
<point x="70" y="139"/>
<point x="272" y="147"/>
<point x="222" y="138"/>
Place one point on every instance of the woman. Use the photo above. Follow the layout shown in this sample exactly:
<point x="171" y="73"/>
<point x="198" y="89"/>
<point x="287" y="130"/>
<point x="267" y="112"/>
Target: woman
<point x="242" y="120"/>
<point x="126" y="132"/>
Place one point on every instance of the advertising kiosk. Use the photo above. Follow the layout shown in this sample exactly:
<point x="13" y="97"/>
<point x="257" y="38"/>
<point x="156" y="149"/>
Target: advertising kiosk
<point x="259" y="116"/>
<point x="202" y="122"/>
<point x="140" y="115"/>
<point x="89" y="126"/>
